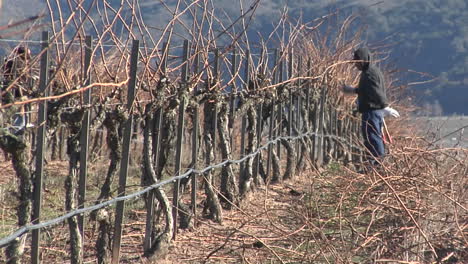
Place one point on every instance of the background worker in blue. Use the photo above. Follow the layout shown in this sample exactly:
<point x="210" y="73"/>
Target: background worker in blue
<point x="372" y="103"/>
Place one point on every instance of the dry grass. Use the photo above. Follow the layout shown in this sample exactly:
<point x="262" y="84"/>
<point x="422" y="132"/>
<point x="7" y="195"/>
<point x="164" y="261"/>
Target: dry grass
<point x="339" y="216"/>
<point x="400" y="214"/>
<point x="416" y="205"/>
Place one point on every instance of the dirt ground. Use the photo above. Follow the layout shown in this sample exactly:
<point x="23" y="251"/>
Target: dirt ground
<point x="261" y="230"/>
<point x="316" y="217"/>
<point x="258" y="231"/>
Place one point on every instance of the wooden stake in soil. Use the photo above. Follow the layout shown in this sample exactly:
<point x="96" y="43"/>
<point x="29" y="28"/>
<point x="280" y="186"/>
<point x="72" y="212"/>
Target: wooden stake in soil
<point x="42" y="117"/>
<point x="119" y="211"/>
<point x="156" y="126"/>
<point x="232" y="98"/>
<point x="280" y="105"/>
<point x="321" y="127"/>
<point x="195" y="145"/>
<point x="272" y="124"/>
<point x="180" y="135"/>
<point x="291" y="94"/>
<point x="244" y="119"/>
<point x="85" y="132"/>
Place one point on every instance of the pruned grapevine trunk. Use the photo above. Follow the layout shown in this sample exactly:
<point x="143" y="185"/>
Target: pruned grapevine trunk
<point x="212" y="206"/>
<point x="54" y="144"/>
<point x="17" y="149"/>
<point x="290" y="159"/>
<point x="113" y="123"/>
<point x="168" y="136"/>
<point x="229" y="188"/>
<point x="246" y="181"/>
<point x="71" y="187"/>
<point x="159" y="243"/>
<point x="275" y="162"/>
<point x="261" y="176"/>
<point x="314" y="137"/>
<point x="73" y="120"/>
<point x="304" y="141"/>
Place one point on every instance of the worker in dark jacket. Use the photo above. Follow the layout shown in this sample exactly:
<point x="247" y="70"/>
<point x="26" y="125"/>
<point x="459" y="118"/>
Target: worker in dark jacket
<point x="372" y="102"/>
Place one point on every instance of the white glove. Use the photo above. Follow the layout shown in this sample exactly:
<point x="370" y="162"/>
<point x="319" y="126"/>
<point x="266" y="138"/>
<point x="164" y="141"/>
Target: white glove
<point x="388" y="111"/>
<point x="348" y="89"/>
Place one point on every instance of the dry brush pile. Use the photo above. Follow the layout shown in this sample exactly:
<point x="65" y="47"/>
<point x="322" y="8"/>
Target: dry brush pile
<point x="412" y="209"/>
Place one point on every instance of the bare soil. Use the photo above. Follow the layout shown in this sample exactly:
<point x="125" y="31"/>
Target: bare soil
<point x="261" y="230"/>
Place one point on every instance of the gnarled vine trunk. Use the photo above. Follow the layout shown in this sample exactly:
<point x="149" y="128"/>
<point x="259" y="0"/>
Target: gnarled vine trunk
<point x="213" y="206"/>
<point x="113" y="122"/>
<point x="73" y="120"/>
<point x="247" y="179"/>
<point x="17" y="148"/>
<point x="159" y="242"/>
<point x="290" y="159"/>
<point x="276" y="175"/>
<point x="229" y="188"/>
<point x="304" y="141"/>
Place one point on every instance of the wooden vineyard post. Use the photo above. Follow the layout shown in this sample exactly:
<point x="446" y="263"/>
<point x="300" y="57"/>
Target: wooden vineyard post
<point x="299" y="108"/>
<point x="307" y="112"/>
<point x="119" y="211"/>
<point x="244" y="119"/>
<point x="256" y="165"/>
<point x="195" y="145"/>
<point x="290" y="145"/>
<point x="271" y="132"/>
<point x="291" y="95"/>
<point x="215" y="113"/>
<point x="328" y="146"/>
<point x="180" y="135"/>
<point x="232" y="99"/>
<point x="41" y="137"/>
<point x="270" y="147"/>
<point x="259" y="140"/>
<point x="307" y="94"/>
<point x="84" y="140"/>
<point x="315" y="135"/>
<point x="156" y="127"/>
<point x="336" y="145"/>
<point x="321" y="127"/>
<point x="256" y="168"/>
<point x="280" y="105"/>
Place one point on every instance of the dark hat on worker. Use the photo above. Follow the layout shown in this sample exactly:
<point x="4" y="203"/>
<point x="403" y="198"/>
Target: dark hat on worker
<point x="363" y="54"/>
